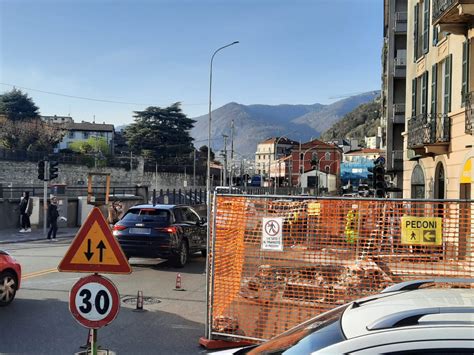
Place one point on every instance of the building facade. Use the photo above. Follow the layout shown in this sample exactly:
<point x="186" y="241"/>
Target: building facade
<point x="270" y="159"/>
<point x="85" y="130"/>
<point x="394" y="61"/>
<point x="439" y="137"/>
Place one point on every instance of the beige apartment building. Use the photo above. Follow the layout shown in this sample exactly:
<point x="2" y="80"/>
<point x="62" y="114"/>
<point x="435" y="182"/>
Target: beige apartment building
<point x="439" y="135"/>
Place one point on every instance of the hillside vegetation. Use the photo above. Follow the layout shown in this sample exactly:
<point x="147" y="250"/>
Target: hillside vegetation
<point x="359" y="123"/>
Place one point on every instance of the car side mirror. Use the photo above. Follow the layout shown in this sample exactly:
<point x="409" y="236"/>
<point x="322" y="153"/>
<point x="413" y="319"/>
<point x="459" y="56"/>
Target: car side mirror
<point x="203" y="220"/>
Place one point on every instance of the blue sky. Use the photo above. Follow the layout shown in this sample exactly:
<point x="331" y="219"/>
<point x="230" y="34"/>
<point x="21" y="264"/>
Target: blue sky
<point x="158" y="52"/>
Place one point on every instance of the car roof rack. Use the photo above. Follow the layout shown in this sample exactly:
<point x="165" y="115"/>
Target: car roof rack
<point x="411" y="317"/>
<point x="416" y="284"/>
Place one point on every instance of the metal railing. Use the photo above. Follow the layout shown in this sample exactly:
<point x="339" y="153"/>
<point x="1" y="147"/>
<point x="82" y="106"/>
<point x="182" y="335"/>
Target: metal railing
<point x="424" y="129"/>
<point x="441" y="6"/>
<point x="469" y="113"/>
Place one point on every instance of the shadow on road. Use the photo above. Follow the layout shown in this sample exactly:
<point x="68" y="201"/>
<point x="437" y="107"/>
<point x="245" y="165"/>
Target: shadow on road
<point x="196" y="265"/>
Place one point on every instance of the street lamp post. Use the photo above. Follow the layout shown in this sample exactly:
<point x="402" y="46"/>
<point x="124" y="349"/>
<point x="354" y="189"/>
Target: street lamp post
<point x="208" y="180"/>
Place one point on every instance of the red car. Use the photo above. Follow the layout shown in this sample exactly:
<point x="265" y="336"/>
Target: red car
<point x="10" y="276"/>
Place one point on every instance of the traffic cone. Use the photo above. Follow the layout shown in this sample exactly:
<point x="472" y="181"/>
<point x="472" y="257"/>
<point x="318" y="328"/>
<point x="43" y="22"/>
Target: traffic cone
<point x="178" y="286"/>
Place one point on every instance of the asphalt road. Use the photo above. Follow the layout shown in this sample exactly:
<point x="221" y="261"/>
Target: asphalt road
<point x="39" y="321"/>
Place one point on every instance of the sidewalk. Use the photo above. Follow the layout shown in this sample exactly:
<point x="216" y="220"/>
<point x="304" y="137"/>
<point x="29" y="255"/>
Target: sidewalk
<point x="14" y="236"/>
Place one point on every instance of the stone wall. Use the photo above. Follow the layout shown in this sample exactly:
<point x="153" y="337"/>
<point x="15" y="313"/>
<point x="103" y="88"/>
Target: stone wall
<point x="25" y="174"/>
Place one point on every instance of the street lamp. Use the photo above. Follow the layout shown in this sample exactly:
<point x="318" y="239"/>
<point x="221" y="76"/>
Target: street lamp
<point x="208" y="182"/>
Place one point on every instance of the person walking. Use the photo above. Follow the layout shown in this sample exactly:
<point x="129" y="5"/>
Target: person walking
<point x="53" y="215"/>
<point x="26" y="208"/>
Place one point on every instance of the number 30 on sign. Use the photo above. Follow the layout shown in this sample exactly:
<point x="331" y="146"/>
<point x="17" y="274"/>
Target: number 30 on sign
<point x="94" y="301"/>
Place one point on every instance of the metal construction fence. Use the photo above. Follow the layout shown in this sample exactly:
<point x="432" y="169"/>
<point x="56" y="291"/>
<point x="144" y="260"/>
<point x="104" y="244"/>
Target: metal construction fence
<point x="275" y="261"/>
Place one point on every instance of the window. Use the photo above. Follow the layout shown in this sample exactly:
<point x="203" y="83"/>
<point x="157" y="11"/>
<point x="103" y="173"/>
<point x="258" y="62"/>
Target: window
<point x="327" y="156"/>
<point x="71" y="134"/>
<point x="85" y="135"/>
<point x="419" y="95"/>
<point x="421" y="29"/>
<point x="441" y="86"/>
<point x="465" y="71"/>
<point x="186" y="215"/>
<point x="418" y="183"/>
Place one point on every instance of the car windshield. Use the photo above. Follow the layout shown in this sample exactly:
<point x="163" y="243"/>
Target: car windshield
<point x="310" y="336"/>
<point x="153" y="215"/>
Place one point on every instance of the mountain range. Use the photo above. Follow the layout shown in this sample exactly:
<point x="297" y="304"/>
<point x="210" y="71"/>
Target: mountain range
<point x="255" y="123"/>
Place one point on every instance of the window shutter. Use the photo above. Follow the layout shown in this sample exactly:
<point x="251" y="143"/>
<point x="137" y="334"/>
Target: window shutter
<point x="424" y="92"/>
<point x="415" y="33"/>
<point x="447" y="84"/>
<point x="465" y="71"/>
<point x="413" y="98"/>
<point x="426" y="26"/>
<point x="435" y="35"/>
<point x="434" y="88"/>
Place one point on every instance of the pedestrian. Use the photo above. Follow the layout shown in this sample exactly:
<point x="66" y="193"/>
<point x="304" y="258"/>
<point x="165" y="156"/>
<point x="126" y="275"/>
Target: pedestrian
<point x="53" y="215"/>
<point x="26" y="208"/>
<point x="115" y="212"/>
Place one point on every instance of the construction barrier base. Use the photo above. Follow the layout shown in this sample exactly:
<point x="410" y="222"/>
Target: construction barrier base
<point x="212" y="344"/>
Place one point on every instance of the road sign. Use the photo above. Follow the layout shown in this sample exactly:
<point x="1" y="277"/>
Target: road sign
<point x="272" y="234"/>
<point x="94" y="249"/>
<point x="94" y="301"/>
<point x="422" y="230"/>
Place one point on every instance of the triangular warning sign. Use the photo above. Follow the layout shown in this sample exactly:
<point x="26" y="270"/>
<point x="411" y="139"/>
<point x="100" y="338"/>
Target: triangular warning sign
<point x="94" y="249"/>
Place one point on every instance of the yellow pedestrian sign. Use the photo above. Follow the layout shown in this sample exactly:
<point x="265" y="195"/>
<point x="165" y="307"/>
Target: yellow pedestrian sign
<point x="94" y="249"/>
<point x="422" y="230"/>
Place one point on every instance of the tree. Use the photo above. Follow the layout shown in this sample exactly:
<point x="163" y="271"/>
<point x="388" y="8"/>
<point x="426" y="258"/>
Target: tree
<point x="93" y="145"/>
<point x="17" y="106"/>
<point x="32" y="134"/>
<point x="161" y="134"/>
<point x="203" y="153"/>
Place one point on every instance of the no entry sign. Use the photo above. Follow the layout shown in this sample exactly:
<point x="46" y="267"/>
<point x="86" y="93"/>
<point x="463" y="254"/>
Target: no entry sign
<point x="94" y="301"/>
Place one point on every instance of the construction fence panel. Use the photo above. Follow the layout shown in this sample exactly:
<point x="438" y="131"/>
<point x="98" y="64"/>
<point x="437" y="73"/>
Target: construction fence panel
<point x="275" y="262"/>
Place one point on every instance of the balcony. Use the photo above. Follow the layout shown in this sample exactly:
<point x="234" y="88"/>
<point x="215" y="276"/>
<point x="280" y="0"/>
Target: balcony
<point x="399" y="113"/>
<point x="469" y="113"/>
<point x="400" y="22"/>
<point x="397" y="160"/>
<point x="453" y="15"/>
<point x="429" y="135"/>
<point x="400" y="64"/>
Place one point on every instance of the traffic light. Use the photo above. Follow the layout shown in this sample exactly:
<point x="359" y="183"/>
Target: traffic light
<point x="41" y="170"/>
<point x="53" y="169"/>
<point x="380" y="185"/>
<point x="370" y="177"/>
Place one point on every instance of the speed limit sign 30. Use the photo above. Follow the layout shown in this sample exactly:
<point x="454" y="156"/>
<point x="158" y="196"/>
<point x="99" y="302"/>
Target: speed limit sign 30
<point x="94" y="301"/>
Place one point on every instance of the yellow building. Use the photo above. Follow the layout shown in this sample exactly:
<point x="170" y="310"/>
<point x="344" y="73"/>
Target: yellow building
<point x="439" y="134"/>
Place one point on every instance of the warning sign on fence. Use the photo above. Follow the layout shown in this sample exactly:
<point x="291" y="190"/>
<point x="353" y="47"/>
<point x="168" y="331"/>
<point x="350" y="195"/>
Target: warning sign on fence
<point x="422" y="230"/>
<point x="272" y="232"/>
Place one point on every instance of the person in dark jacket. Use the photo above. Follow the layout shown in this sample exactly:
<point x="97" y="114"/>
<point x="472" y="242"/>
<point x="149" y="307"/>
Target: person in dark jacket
<point x="26" y="208"/>
<point x="53" y="215"/>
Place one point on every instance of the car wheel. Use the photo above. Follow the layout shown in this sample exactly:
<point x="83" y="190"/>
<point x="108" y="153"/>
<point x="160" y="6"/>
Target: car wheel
<point x="204" y="252"/>
<point x="8" y="286"/>
<point x="181" y="256"/>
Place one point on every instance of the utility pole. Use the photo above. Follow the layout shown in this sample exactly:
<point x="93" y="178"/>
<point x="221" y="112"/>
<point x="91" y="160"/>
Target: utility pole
<point x="194" y="168"/>
<point x="225" y="159"/>
<point x="231" y="153"/>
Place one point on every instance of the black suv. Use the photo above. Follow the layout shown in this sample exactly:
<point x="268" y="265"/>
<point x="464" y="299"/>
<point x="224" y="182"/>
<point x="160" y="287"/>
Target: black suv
<point x="162" y="231"/>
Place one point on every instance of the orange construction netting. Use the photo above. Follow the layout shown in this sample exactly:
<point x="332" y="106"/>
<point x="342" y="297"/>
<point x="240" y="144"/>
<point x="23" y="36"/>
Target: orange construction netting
<point x="278" y="262"/>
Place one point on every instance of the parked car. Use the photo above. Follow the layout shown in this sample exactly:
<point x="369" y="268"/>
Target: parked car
<point x="10" y="278"/>
<point x="407" y="318"/>
<point x="162" y="231"/>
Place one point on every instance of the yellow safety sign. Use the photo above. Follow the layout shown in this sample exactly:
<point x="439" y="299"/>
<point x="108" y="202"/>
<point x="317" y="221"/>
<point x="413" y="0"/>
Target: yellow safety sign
<point x="314" y="209"/>
<point x="94" y="249"/>
<point x="422" y="230"/>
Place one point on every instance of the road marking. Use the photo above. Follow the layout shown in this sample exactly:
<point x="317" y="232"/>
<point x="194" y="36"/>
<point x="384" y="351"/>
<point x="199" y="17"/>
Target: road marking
<point x="38" y="273"/>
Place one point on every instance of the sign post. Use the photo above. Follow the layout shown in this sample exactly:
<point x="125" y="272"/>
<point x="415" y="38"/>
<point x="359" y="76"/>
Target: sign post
<point x="94" y="300"/>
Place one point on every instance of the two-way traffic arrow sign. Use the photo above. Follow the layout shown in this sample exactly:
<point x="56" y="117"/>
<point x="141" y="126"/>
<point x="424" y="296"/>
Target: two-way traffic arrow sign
<point x="94" y="249"/>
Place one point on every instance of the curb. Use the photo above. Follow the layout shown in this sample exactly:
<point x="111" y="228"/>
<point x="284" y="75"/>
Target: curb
<point x="20" y="239"/>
